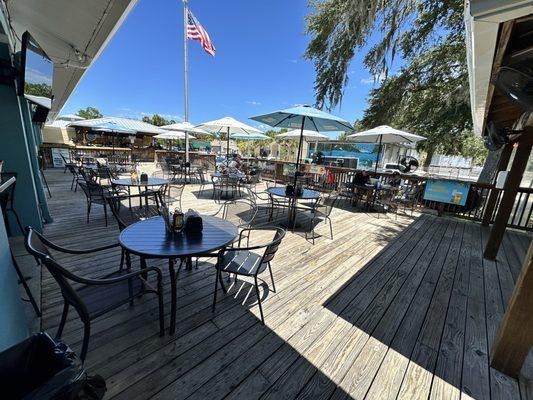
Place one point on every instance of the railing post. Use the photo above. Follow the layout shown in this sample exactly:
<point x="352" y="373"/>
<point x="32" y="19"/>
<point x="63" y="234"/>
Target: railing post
<point x="510" y="190"/>
<point x="493" y="195"/>
<point x="515" y="335"/>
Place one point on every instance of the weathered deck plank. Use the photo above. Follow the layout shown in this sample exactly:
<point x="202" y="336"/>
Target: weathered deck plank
<point x="389" y="309"/>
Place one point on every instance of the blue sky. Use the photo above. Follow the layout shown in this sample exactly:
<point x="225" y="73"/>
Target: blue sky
<point x="258" y="67"/>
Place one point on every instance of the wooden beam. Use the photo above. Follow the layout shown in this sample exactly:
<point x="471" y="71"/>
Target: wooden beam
<point x="509" y="194"/>
<point x="503" y="162"/>
<point x="503" y="41"/>
<point x="515" y="336"/>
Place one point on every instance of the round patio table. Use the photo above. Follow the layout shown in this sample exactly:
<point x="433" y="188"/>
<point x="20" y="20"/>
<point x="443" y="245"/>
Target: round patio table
<point x="149" y="239"/>
<point x="129" y="183"/>
<point x="138" y="183"/>
<point x="307" y="194"/>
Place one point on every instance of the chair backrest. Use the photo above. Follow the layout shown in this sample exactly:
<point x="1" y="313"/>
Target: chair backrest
<point x="273" y="246"/>
<point x="38" y="246"/>
<point x="87" y="174"/>
<point x="240" y="212"/>
<point x="126" y="216"/>
<point x="91" y="189"/>
<point x="328" y="202"/>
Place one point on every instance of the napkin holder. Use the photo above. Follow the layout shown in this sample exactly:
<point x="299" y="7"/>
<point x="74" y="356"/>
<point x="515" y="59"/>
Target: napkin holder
<point x="193" y="222"/>
<point x="144" y="177"/>
<point x="289" y="190"/>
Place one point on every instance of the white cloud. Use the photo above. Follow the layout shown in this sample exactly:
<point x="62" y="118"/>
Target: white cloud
<point x="293" y="61"/>
<point x="35" y="76"/>
<point x="373" y="79"/>
<point x="253" y="103"/>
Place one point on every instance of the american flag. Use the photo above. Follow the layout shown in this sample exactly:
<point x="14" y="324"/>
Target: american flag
<point x="195" y="31"/>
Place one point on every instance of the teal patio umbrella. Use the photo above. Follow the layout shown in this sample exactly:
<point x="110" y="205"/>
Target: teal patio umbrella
<point x="250" y="136"/>
<point x="305" y="118"/>
<point x="113" y="128"/>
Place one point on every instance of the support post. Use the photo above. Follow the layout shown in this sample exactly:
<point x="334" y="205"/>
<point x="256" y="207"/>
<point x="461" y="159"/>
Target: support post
<point x="503" y="162"/>
<point x="515" y="335"/>
<point x="186" y="74"/>
<point x="509" y="194"/>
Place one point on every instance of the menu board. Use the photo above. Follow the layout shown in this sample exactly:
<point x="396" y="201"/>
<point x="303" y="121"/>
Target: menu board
<point x="56" y="156"/>
<point x="315" y="169"/>
<point x="450" y="192"/>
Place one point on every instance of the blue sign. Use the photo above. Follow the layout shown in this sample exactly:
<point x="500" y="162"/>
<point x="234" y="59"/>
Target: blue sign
<point x="451" y="192"/>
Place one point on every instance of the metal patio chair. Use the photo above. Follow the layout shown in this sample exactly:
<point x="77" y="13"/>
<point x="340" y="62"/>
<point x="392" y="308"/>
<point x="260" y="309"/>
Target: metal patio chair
<point x="96" y="296"/>
<point x="95" y="194"/>
<point x="323" y="209"/>
<point x="248" y="261"/>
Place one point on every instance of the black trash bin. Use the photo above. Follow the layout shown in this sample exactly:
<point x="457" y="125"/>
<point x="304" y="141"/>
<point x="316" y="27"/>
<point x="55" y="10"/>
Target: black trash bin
<point x="40" y="368"/>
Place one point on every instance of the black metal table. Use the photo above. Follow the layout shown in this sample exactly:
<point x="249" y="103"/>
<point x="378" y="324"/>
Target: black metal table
<point x="129" y="183"/>
<point x="149" y="239"/>
<point x="293" y="200"/>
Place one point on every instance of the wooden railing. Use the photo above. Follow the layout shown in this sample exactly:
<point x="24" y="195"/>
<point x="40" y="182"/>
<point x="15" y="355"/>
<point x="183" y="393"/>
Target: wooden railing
<point x="474" y="209"/>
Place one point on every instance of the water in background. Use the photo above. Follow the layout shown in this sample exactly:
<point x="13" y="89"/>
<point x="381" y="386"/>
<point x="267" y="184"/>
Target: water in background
<point x="366" y="153"/>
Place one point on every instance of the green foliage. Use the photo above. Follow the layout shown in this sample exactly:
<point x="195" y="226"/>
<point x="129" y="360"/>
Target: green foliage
<point x="473" y="147"/>
<point x="157" y="120"/>
<point x="38" y="89"/>
<point x="429" y="95"/>
<point x="90" y="113"/>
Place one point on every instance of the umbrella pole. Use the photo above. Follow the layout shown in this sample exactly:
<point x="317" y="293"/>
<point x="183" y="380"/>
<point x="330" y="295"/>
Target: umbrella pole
<point x="299" y="152"/>
<point x="227" y="148"/>
<point x="379" y="152"/>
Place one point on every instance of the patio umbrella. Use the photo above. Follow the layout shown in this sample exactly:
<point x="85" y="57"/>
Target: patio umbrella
<point x="306" y="118"/>
<point x="228" y="125"/>
<point x="384" y="134"/>
<point x="250" y="136"/>
<point x="310" y="136"/>
<point x="113" y="127"/>
<point x="174" y="135"/>
<point x="187" y="128"/>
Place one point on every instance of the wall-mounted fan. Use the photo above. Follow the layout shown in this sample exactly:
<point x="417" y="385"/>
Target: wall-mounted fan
<point x="496" y="138"/>
<point x="516" y="82"/>
<point x="408" y="164"/>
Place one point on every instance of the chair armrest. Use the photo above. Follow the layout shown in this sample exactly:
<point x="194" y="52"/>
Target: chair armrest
<point x="76" y="251"/>
<point x="110" y="281"/>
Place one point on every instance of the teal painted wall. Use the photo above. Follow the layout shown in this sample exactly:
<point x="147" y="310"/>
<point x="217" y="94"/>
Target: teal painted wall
<point x="13" y="325"/>
<point x="17" y="150"/>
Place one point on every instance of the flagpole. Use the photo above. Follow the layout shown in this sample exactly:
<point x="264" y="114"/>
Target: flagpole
<point x="186" y="75"/>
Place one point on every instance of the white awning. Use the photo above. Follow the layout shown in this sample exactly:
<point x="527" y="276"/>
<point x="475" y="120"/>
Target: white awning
<point x="72" y="32"/>
<point x="482" y="22"/>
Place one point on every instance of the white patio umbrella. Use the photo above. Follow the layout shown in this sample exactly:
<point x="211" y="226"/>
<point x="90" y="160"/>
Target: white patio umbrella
<point x="384" y="134"/>
<point x="228" y="125"/>
<point x="175" y="135"/>
<point x="187" y="128"/>
<point x="310" y="136"/>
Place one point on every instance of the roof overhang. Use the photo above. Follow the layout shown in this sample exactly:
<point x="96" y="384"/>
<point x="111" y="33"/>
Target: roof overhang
<point x="482" y="21"/>
<point x="72" y="32"/>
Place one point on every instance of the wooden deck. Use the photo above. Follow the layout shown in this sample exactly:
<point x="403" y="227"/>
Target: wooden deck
<point x="404" y="308"/>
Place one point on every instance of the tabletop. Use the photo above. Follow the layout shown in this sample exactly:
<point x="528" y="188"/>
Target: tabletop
<point x="232" y="175"/>
<point x="149" y="238"/>
<point x="306" y="195"/>
<point x="149" y="182"/>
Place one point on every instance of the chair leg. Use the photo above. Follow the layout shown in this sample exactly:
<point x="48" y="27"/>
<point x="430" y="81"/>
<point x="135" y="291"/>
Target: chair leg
<point x="330" y="227"/>
<point x="259" y="300"/>
<point x="272" y="277"/>
<point x="105" y="213"/>
<point x="88" y="210"/>
<point x="122" y="256"/>
<point x="18" y="220"/>
<point x="216" y="290"/>
<point x="86" y="336"/>
<point x="63" y="321"/>
<point x="161" y="307"/>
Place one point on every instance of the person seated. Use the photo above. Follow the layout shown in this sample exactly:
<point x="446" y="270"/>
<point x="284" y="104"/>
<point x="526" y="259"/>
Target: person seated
<point x="361" y="178"/>
<point x="395" y="180"/>
<point x="236" y="163"/>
